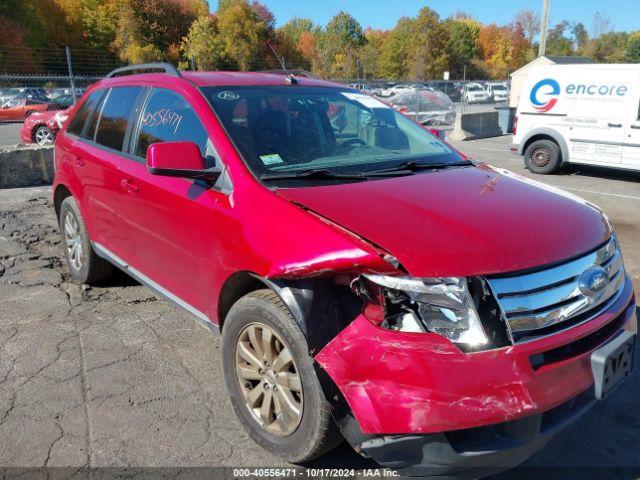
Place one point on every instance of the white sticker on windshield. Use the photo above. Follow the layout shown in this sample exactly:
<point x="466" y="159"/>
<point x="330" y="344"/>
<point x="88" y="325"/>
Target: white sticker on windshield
<point x="271" y="159"/>
<point x="365" y="100"/>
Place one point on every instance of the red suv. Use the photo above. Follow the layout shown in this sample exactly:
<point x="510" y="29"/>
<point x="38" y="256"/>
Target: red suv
<point x="368" y="280"/>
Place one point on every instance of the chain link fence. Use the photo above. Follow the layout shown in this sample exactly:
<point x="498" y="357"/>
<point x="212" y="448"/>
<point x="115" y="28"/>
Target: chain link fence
<point x="30" y="101"/>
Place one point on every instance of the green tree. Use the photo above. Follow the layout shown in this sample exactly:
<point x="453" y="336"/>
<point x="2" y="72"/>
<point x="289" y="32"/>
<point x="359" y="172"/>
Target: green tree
<point x="580" y="36"/>
<point x="338" y="46"/>
<point x="557" y="42"/>
<point x="609" y="47"/>
<point x="204" y="45"/>
<point x="427" y="56"/>
<point x="632" y="52"/>
<point x="150" y="30"/>
<point x="244" y="30"/>
<point x="395" y="51"/>
<point x="294" y="28"/>
<point x="462" y="44"/>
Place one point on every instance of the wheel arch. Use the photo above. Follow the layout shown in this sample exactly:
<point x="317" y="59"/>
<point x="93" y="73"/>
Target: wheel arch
<point x="545" y="134"/>
<point x="62" y="192"/>
<point x="321" y="308"/>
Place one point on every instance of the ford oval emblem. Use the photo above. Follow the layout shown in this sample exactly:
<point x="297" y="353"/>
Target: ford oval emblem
<point x="593" y="281"/>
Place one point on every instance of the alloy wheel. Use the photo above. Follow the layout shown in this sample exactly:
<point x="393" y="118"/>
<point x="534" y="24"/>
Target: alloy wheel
<point x="73" y="242"/>
<point x="269" y="379"/>
<point x="43" y="136"/>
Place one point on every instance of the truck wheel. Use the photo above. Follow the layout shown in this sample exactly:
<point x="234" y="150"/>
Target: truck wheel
<point x="84" y="265"/>
<point x="543" y="157"/>
<point x="271" y="380"/>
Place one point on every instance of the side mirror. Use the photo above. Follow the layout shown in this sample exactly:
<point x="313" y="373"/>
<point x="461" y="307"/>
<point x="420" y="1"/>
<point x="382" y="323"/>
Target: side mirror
<point x="179" y="159"/>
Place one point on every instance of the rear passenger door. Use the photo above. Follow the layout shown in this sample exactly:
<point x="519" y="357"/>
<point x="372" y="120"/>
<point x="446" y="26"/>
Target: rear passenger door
<point x="100" y="155"/>
<point x="172" y="221"/>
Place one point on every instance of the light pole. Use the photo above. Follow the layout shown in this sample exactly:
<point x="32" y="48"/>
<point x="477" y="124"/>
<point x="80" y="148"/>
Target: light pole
<point x="544" y="21"/>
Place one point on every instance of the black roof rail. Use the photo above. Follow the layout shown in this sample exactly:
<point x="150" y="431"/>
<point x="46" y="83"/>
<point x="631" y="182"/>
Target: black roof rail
<point x="146" y="68"/>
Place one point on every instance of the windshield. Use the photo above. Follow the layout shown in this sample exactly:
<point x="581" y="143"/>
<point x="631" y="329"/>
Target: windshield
<point x="292" y="128"/>
<point x="499" y="87"/>
<point x="474" y="88"/>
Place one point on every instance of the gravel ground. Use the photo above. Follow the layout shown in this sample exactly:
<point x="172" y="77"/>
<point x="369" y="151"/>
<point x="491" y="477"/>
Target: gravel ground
<point x="111" y="376"/>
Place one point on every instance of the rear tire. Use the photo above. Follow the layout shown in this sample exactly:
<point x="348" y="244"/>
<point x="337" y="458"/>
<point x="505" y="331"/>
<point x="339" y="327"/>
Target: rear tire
<point x="84" y="265"/>
<point x="543" y="157"/>
<point x="311" y="432"/>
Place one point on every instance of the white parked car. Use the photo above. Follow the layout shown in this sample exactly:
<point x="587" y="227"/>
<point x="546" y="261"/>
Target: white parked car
<point x="498" y="92"/>
<point x="587" y="114"/>
<point x="395" y="90"/>
<point x="475" y="93"/>
<point x="364" y="88"/>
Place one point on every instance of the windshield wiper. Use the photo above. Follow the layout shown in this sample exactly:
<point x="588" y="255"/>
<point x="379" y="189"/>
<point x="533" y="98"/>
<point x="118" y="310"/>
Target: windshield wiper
<point x="323" y="174"/>
<point x="412" y="166"/>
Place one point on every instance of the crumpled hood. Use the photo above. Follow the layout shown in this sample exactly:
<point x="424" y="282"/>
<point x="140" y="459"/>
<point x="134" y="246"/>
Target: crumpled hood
<point x="462" y="221"/>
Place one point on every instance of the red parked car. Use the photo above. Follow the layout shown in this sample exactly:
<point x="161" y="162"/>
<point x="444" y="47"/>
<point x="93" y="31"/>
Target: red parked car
<point x="370" y="282"/>
<point x="42" y="127"/>
<point x="17" y="109"/>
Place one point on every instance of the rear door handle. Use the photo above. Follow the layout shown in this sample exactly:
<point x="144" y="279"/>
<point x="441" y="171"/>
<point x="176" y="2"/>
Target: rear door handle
<point x="636" y="127"/>
<point x="614" y="125"/>
<point x="128" y="186"/>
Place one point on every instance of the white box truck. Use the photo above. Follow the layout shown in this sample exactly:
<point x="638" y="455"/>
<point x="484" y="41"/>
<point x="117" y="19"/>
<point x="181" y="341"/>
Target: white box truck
<point x="587" y="114"/>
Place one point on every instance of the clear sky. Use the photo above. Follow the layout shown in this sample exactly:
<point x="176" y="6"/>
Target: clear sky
<point x="624" y="14"/>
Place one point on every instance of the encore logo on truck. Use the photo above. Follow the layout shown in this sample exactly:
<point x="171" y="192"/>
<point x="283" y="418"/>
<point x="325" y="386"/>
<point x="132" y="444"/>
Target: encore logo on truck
<point x="550" y="91"/>
<point x="545" y="93"/>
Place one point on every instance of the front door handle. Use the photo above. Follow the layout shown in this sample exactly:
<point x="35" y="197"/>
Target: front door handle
<point x="635" y="127"/>
<point x="128" y="186"/>
<point x="79" y="161"/>
<point x="614" y="125"/>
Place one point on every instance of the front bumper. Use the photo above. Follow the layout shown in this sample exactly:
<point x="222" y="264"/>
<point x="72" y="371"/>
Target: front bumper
<point x="475" y="452"/>
<point x="418" y="389"/>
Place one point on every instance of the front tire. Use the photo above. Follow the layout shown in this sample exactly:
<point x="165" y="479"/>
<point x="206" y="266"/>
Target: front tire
<point x="271" y="380"/>
<point x="43" y="135"/>
<point x="84" y="265"/>
<point x="543" y="157"/>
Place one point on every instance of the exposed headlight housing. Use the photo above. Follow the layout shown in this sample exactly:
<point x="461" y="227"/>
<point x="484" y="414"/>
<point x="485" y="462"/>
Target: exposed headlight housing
<point x="441" y="305"/>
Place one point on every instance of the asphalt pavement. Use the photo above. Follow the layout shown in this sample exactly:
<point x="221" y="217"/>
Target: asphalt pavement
<point x="112" y="376"/>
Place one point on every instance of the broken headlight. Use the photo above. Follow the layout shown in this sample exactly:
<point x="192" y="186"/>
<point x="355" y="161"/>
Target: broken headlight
<point x="441" y="305"/>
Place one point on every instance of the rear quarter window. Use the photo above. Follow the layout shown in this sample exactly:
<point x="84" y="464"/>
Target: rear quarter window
<point x="86" y="110"/>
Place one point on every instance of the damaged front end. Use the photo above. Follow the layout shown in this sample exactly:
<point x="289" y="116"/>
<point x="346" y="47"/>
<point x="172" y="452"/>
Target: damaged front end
<point x="426" y="378"/>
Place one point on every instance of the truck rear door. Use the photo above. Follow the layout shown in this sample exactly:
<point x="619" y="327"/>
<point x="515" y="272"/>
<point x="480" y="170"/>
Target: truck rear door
<point x="631" y="148"/>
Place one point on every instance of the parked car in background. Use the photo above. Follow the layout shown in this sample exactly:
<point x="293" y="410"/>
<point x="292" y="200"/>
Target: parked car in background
<point x="499" y="92"/>
<point x="8" y="94"/>
<point x="475" y="93"/>
<point x="451" y="89"/>
<point x="396" y="89"/>
<point x="42" y="127"/>
<point x="56" y="93"/>
<point x="364" y="88"/>
<point x="427" y="107"/>
<point x="17" y="109"/>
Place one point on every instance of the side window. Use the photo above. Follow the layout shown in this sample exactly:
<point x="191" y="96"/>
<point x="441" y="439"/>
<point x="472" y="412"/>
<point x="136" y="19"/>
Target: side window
<point x="76" y="125"/>
<point x="116" y="111"/>
<point x="167" y="117"/>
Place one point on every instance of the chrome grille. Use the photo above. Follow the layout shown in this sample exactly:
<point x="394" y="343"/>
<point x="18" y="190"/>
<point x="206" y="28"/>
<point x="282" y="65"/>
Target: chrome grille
<point x="553" y="296"/>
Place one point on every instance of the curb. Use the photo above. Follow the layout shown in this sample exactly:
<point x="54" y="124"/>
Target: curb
<point x="26" y="167"/>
